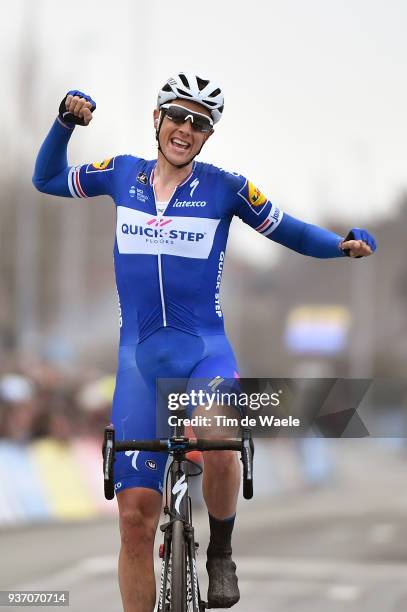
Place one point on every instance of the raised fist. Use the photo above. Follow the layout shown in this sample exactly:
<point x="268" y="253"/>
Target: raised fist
<point x="76" y="108"/>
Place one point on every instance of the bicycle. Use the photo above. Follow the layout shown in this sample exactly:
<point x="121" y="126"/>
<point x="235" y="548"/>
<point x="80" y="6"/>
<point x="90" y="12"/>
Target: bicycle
<point x="179" y="586"/>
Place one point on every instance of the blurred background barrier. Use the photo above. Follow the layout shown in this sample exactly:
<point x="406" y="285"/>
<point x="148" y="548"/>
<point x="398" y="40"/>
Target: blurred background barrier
<point x="50" y="447"/>
<point x="50" y="480"/>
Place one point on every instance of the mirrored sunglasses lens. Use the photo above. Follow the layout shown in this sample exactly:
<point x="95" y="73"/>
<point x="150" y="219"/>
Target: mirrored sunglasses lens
<point x="201" y="124"/>
<point x="176" y="114"/>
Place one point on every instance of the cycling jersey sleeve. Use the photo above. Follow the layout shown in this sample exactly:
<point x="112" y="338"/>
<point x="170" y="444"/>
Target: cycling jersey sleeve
<point x="52" y="174"/>
<point x="256" y="210"/>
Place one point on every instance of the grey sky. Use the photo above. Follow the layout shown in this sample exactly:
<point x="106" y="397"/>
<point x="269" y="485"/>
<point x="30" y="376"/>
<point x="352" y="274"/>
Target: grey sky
<point x="315" y="91"/>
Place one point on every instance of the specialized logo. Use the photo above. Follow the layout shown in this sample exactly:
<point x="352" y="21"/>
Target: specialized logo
<point x="151" y="464"/>
<point x="253" y="196"/>
<point x="179" y="489"/>
<point x="134" y="458"/>
<point x="193" y="186"/>
<point x="215" y="382"/>
<point x="142" y="178"/>
<point x="141" y="233"/>
<point x="106" y="164"/>
<point x="160" y="604"/>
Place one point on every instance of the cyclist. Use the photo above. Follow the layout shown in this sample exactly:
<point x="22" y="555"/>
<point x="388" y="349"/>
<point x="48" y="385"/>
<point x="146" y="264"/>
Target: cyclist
<point x="173" y="217"/>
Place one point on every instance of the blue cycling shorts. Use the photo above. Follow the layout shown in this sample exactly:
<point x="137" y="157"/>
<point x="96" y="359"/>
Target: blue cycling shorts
<point x="168" y="353"/>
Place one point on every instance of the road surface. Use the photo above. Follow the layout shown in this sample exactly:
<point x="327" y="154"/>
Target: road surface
<point x="342" y="547"/>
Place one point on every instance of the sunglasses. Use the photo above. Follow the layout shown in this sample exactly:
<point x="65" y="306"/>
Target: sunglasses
<point x="180" y="114"/>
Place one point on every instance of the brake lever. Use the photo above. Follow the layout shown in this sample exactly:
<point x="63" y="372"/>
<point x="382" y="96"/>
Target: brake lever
<point x="246" y="458"/>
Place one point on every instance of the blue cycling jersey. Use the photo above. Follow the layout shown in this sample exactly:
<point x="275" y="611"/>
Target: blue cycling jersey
<point x="169" y="268"/>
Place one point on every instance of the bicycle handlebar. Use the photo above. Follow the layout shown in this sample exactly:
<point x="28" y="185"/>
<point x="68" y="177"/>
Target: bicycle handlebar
<point x="244" y="444"/>
<point x="165" y="445"/>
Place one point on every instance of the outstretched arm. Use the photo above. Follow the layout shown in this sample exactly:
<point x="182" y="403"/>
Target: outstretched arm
<point x="307" y="239"/>
<point x="316" y="241"/>
<point x="258" y="212"/>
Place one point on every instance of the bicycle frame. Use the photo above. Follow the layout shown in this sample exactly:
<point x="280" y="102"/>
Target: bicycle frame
<point x="179" y="510"/>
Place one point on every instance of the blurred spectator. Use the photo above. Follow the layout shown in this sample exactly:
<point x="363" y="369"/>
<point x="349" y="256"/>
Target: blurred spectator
<point x="19" y="407"/>
<point x="37" y="399"/>
<point x="95" y="402"/>
<point x="58" y="416"/>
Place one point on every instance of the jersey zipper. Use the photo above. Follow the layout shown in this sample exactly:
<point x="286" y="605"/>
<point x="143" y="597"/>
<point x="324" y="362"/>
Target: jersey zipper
<point x="160" y="272"/>
<point x="160" y="279"/>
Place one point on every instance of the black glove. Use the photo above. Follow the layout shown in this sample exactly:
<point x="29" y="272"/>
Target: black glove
<point x="67" y="117"/>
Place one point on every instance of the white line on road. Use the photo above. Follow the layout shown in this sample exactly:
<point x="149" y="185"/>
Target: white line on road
<point x="344" y="592"/>
<point x="382" y="533"/>
<point x="79" y="572"/>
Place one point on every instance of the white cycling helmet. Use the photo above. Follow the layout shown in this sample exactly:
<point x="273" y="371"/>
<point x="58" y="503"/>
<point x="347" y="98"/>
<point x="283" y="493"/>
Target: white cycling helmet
<point x="191" y="87"/>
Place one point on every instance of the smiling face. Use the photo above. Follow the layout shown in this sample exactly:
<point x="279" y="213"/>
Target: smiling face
<point x="180" y="143"/>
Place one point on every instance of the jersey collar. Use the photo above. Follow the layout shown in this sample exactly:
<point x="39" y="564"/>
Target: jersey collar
<point x="181" y="184"/>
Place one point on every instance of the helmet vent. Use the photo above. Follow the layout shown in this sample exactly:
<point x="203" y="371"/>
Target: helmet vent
<point x="166" y="87"/>
<point x="184" y="93"/>
<point x="184" y="79"/>
<point x="201" y="83"/>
